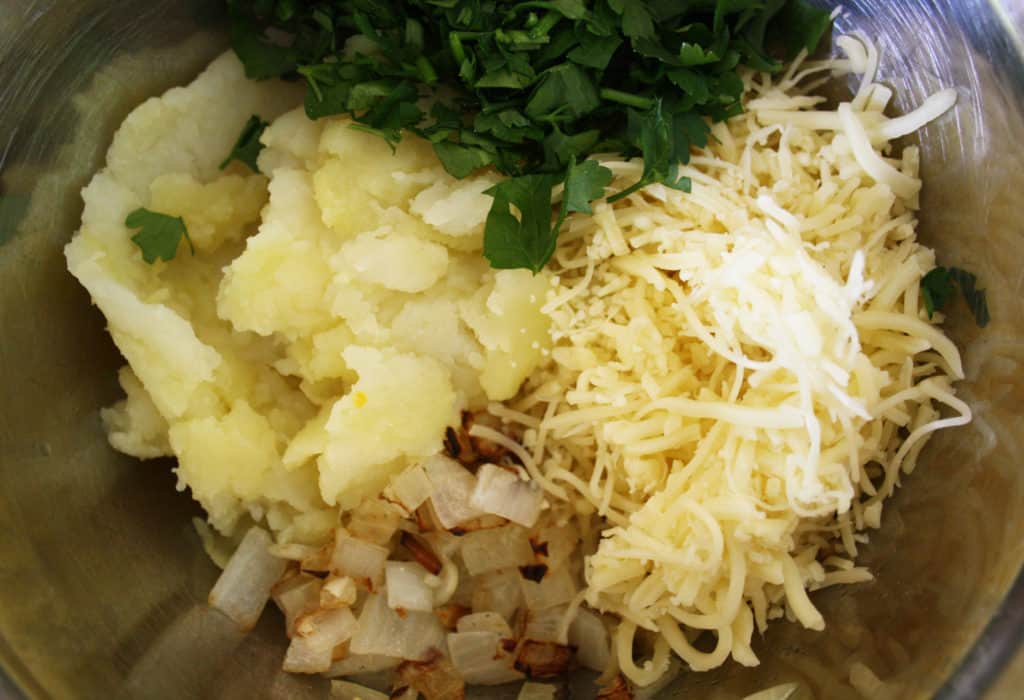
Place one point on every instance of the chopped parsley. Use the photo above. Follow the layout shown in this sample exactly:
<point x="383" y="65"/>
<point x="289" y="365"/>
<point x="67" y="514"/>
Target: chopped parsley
<point x="530" y="89"/>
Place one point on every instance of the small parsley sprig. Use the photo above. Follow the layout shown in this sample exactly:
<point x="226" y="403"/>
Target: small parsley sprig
<point x="530" y="89"/>
<point x="159" y="234"/>
<point x="939" y="286"/>
<point x="247" y="147"/>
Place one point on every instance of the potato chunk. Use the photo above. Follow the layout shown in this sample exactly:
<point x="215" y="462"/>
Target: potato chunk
<point x="397" y="410"/>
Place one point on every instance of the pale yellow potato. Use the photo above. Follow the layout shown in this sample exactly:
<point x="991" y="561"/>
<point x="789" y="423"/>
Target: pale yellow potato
<point x="214" y="213"/>
<point x="360" y="177"/>
<point x="318" y="356"/>
<point x="211" y="450"/>
<point x="192" y="129"/>
<point x="396" y="412"/>
<point x="335" y="317"/>
<point x="344" y="206"/>
<point x="278" y="283"/>
<point x="134" y="425"/>
<point x="507" y="320"/>
<point x="292" y="141"/>
<point x="456" y="208"/>
<point x="396" y="261"/>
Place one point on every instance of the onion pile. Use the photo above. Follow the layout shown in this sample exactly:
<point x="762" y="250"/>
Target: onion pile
<point x="461" y="572"/>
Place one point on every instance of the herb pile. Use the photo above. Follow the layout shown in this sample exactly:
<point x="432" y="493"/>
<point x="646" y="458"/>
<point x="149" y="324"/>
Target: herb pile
<point x="528" y="88"/>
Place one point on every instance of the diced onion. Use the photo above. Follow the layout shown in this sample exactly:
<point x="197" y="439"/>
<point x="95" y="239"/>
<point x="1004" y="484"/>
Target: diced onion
<point x="452" y="486"/>
<point x="436" y="679"/>
<point x="556" y="588"/>
<point x="359" y="559"/>
<point x="485" y="622"/>
<point x="358" y="664"/>
<point x="502" y="492"/>
<point x="334" y="626"/>
<point x="244" y="586"/>
<point x="556" y="544"/>
<point x="544" y="625"/>
<point x="320" y="560"/>
<point x="343" y="690"/>
<point x="317" y="636"/>
<point x="411" y="488"/>
<point x="374" y="521"/>
<point x="543" y="659"/>
<point x="381" y="630"/>
<point x="338" y="592"/>
<point x="450" y="614"/>
<point x="292" y="551"/>
<point x="496" y="548"/>
<point x="297" y="596"/>
<point x="479" y="659"/>
<point x="498" y="591"/>
<point x="588" y="634"/>
<point x="446" y="583"/>
<point x="406" y="586"/>
<point x="306" y="655"/>
<point x="442" y="542"/>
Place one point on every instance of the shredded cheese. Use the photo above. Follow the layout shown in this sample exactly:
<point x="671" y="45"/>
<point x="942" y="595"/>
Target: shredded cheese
<point x="739" y="375"/>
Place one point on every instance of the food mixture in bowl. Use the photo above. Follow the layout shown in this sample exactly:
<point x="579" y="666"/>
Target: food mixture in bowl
<point x="681" y="417"/>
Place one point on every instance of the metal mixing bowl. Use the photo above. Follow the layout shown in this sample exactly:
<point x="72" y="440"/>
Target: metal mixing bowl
<point x="102" y="578"/>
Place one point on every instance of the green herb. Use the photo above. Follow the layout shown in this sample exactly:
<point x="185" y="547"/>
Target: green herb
<point x="940" y="285"/>
<point x="528" y="240"/>
<point x="159" y="236"/>
<point x="247" y="148"/>
<point x="528" y="88"/>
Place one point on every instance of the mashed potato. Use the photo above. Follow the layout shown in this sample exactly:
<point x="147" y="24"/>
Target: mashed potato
<point x="335" y="318"/>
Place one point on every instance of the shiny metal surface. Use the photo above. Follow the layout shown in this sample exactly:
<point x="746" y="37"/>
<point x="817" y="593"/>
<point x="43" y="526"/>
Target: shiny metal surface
<point x="102" y="579"/>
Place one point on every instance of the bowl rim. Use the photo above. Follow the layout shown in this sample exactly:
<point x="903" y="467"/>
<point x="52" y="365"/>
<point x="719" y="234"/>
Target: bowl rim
<point x="987" y="658"/>
<point x="992" y="652"/>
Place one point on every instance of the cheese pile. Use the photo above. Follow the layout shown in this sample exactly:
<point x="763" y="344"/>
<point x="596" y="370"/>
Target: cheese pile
<point x="739" y="375"/>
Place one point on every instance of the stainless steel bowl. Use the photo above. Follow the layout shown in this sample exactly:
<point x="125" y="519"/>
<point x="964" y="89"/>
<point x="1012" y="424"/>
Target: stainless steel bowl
<point x="102" y="579"/>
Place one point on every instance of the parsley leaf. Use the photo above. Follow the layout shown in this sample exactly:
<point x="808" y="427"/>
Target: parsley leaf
<point x="802" y="25"/>
<point x="663" y="146"/>
<point x="583" y="184"/>
<point x="595" y="51"/>
<point x="529" y="238"/>
<point x="565" y="93"/>
<point x="939" y="286"/>
<point x="159" y="236"/>
<point x="637" y="22"/>
<point x="461" y="160"/>
<point x="247" y="148"/>
<point x="526" y="240"/>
